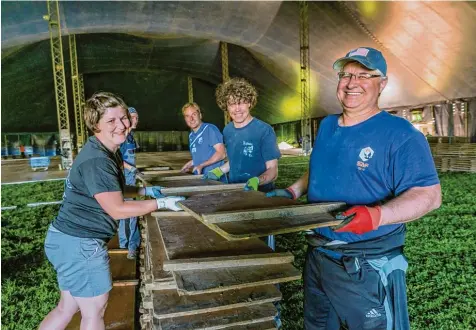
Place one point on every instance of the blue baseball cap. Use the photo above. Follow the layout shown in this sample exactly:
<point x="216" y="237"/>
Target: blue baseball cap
<point x="367" y="56"/>
<point x="132" y="110"/>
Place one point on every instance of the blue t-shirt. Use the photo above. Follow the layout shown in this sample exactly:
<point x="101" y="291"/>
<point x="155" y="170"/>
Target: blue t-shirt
<point x="201" y="145"/>
<point x="367" y="164"/>
<point x="248" y="149"/>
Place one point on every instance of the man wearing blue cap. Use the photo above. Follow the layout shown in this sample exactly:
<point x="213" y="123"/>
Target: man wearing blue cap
<point x="129" y="236"/>
<point x="381" y="166"/>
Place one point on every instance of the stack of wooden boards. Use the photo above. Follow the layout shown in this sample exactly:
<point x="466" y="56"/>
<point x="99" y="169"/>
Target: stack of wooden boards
<point x="457" y="157"/>
<point x="206" y="268"/>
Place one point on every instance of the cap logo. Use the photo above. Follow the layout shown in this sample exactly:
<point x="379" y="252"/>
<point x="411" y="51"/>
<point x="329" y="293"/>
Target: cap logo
<point x="360" y="52"/>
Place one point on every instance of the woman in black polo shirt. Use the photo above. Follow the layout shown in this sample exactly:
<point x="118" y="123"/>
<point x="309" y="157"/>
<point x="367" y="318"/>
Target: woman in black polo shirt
<point x="93" y="202"/>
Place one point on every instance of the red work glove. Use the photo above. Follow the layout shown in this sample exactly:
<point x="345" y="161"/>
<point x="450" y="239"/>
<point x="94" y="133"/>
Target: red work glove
<point x="365" y="219"/>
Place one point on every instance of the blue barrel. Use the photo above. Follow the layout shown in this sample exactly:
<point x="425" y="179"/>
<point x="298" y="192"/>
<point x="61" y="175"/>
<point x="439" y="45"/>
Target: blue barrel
<point x="50" y="151"/>
<point x="14" y="151"/>
<point x="39" y="150"/>
<point x="4" y="152"/>
<point x="28" y="151"/>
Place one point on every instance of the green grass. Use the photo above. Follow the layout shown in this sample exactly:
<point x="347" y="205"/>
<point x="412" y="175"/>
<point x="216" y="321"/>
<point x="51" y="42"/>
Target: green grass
<point x="440" y="248"/>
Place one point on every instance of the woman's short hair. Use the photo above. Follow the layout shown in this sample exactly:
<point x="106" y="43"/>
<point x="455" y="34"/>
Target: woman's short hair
<point x="236" y="90"/>
<point x="97" y="105"/>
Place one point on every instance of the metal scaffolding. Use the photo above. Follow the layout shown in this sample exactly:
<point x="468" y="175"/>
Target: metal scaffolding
<point x="224" y="70"/>
<point x="190" y="89"/>
<point x="78" y="106"/>
<point x="54" y="27"/>
<point x="83" y="102"/>
<point x="305" y="76"/>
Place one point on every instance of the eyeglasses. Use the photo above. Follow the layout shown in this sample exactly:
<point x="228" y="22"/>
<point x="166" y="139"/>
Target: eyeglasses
<point x="346" y="76"/>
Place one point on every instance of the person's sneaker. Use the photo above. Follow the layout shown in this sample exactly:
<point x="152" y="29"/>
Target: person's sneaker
<point x="132" y="255"/>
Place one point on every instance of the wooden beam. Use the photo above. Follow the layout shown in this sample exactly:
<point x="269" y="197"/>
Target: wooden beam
<point x="194" y="190"/>
<point x="244" y="316"/>
<point x="228" y="261"/>
<point x="178" y="177"/>
<point x="192" y="282"/>
<point x="168" y="303"/>
<point x="267" y="213"/>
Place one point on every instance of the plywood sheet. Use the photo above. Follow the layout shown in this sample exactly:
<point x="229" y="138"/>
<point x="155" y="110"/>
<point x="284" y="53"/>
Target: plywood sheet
<point x="121" y="267"/>
<point x="120" y="310"/>
<point x="185" y="237"/>
<point x="156" y="251"/>
<point x="264" y="227"/>
<point x="222" y="319"/>
<point x="168" y="303"/>
<point x="191" y="282"/>
<point x="232" y="201"/>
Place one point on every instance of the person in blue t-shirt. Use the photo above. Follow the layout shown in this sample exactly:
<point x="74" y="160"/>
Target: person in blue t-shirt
<point x="205" y="142"/>
<point x="382" y="167"/>
<point x="129" y="236"/>
<point x="251" y="145"/>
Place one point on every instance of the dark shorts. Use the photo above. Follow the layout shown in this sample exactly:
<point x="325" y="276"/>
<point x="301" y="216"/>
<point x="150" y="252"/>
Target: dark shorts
<point x="360" y="293"/>
<point x="81" y="264"/>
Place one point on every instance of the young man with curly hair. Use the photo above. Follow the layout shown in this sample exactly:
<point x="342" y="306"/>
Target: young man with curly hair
<point x="250" y="143"/>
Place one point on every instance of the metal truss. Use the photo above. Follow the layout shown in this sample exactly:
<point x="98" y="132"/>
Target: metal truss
<point x="305" y="71"/>
<point x="54" y="27"/>
<point x="224" y="70"/>
<point x="78" y="105"/>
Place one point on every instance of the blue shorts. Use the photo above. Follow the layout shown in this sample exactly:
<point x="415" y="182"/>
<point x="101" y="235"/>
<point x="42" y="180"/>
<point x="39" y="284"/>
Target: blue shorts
<point x="81" y="264"/>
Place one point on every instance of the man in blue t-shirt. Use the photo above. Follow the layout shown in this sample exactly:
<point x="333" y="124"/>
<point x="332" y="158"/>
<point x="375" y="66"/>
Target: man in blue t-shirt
<point x="381" y="166"/>
<point x="251" y="145"/>
<point x="205" y="142"/>
<point x="129" y="236"/>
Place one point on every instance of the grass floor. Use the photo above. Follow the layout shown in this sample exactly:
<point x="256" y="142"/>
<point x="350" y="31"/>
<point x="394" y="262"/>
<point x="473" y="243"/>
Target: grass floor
<point x="440" y="248"/>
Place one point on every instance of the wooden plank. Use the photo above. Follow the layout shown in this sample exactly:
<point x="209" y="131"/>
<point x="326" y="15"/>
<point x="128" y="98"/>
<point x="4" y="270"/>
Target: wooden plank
<point x="120" y="311"/>
<point x="229" y="261"/>
<point x="121" y="267"/>
<point x="232" y="201"/>
<point x="169" y="303"/>
<point x="163" y="172"/>
<point x="191" y="282"/>
<point x="222" y="319"/>
<point x="185" y="183"/>
<point x="267" y="325"/>
<point x="185" y="237"/>
<point x="157" y="251"/>
<point x="239" y="230"/>
<point x="195" y="190"/>
<point x="275" y="212"/>
<point x="178" y="177"/>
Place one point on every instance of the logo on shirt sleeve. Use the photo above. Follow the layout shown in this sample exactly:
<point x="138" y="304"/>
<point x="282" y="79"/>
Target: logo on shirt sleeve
<point x="365" y="155"/>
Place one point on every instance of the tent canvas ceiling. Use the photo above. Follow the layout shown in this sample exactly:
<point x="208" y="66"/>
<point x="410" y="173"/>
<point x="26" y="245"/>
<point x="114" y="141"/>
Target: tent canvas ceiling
<point x="146" y="50"/>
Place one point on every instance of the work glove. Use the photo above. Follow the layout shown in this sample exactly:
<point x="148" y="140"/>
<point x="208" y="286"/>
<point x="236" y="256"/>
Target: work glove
<point x="214" y="174"/>
<point x="287" y="193"/>
<point x="169" y="203"/>
<point x="359" y="219"/>
<point x="252" y="184"/>
<point x="153" y="191"/>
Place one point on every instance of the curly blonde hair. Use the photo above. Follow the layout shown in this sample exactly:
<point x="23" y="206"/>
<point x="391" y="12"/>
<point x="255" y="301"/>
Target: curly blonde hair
<point x="236" y="90"/>
<point x="96" y="106"/>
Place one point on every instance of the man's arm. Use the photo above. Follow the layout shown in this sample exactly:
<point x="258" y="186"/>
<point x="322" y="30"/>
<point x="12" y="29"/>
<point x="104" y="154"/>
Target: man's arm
<point x="216" y="157"/>
<point x="299" y="188"/>
<point x="270" y="174"/>
<point x="128" y="166"/>
<point x="411" y="205"/>
<point x="187" y="166"/>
